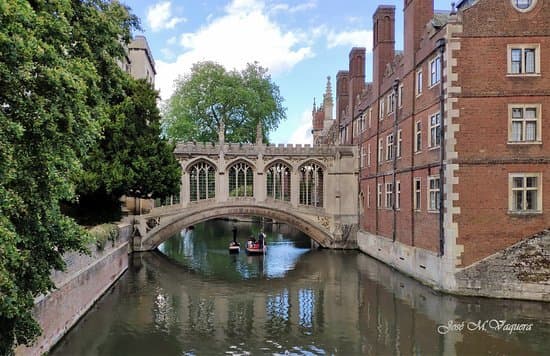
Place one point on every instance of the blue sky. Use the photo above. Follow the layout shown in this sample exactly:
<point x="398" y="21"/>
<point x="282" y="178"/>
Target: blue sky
<point x="300" y="42"/>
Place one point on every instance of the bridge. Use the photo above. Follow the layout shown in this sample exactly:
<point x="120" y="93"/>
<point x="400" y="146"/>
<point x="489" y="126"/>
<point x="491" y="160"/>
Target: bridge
<point x="314" y="189"/>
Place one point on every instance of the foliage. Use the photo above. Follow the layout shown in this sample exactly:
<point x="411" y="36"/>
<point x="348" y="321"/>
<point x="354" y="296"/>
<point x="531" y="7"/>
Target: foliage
<point x="131" y="158"/>
<point x="58" y="71"/>
<point x="103" y="233"/>
<point x="211" y="96"/>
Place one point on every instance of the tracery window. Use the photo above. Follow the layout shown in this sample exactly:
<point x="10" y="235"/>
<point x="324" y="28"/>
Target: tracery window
<point x="278" y="182"/>
<point x="241" y="180"/>
<point x="311" y="185"/>
<point x="202" y="181"/>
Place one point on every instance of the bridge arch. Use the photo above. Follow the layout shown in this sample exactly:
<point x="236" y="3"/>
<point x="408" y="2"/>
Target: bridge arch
<point x="175" y="222"/>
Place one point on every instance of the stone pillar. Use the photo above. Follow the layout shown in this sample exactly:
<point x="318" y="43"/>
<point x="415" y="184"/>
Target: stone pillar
<point x="295" y="187"/>
<point x="184" y="187"/>
<point x="222" y="189"/>
<point x="260" y="179"/>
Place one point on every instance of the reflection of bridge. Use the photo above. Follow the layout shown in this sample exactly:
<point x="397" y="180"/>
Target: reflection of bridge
<point x="311" y="188"/>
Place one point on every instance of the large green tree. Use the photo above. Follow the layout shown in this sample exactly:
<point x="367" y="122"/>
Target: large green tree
<point x="131" y="158"/>
<point x="210" y="97"/>
<point x="58" y="71"/>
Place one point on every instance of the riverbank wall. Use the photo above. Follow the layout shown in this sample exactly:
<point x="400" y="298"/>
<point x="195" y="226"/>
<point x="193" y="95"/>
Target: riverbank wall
<point x="521" y="271"/>
<point x="85" y="280"/>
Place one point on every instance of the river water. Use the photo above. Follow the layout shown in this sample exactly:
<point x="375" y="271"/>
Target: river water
<point x="192" y="298"/>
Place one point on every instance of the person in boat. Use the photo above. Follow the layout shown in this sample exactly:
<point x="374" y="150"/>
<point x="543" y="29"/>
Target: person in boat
<point x="234" y="242"/>
<point x="251" y="241"/>
<point x="261" y="239"/>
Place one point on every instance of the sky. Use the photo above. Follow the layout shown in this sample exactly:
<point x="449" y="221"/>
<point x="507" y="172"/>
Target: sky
<point x="300" y="42"/>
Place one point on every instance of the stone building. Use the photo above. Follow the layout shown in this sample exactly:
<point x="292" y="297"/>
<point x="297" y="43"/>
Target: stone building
<point x="451" y="131"/>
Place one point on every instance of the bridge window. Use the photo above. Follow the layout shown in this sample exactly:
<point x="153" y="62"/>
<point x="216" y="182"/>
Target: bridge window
<point x="311" y="185"/>
<point x="241" y="180"/>
<point x="202" y="181"/>
<point x="278" y="182"/>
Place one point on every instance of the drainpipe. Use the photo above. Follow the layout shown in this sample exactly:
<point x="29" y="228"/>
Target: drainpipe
<point x="441" y="48"/>
<point x="394" y="149"/>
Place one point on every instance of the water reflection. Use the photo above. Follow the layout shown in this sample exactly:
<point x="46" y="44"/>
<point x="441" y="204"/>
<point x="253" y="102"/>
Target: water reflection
<point x="329" y="302"/>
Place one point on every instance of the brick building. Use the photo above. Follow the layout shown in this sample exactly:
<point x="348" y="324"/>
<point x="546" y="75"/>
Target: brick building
<point x="455" y="120"/>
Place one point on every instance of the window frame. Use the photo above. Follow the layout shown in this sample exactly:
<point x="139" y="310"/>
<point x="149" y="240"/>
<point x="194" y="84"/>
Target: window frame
<point x="381" y="109"/>
<point x="538" y="119"/>
<point x="435" y="71"/>
<point x="523" y="47"/>
<point x="379" y="195"/>
<point x="389" y="147"/>
<point x="418" y="136"/>
<point x="525" y="188"/>
<point x="380" y="150"/>
<point x="398" y="153"/>
<point x="368" y="155"/>
<point x="419" y="83"/>
<point x="400" y="96"/>
<point x="417" y="194"/>
<point x="398" y="195"/>
<point x="388" y="196"/>
<point x="431" y="127"/>
<point x="436" y="191"/>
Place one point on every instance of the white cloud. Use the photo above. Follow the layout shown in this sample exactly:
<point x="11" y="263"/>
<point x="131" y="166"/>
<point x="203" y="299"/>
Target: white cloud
<point x="244" y="34"/>
<point x="159" y="16"/>
<point x="282" y="7"/>
<point x="360" y="38"/>
<point x="302" y="133"/>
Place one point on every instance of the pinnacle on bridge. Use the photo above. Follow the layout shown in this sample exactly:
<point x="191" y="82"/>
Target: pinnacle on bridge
<point x="221" y="133"/>
<point x="259" y="134"/>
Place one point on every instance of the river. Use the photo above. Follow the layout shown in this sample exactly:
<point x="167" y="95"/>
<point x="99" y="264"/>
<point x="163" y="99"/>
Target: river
<point x="192" y="298"/>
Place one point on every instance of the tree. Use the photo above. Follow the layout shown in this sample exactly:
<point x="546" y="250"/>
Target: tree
<point x="58" y="70"/>
<point x="211" y="97"/>
<point x="131" y="159"/>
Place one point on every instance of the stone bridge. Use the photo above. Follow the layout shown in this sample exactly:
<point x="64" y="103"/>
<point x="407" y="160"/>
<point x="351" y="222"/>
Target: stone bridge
<point x="314" y="189"/>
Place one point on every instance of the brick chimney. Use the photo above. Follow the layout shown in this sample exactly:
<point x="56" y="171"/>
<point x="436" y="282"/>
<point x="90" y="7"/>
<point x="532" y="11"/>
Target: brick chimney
<point x="342" y="93"/>
<point x="383" y="41"/>
<point x="417" y="14"/>
<point x="356" y="75"/>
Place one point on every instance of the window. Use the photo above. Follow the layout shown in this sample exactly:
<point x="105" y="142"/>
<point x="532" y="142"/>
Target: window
<point x="311" y="185"/>
<point x="363" y="155"/>
<point x="435" y="130"/>
<point x="433" y="193"/>
<point x="524" y="5"/>
<point x="435" y="70"/>
<point x="399" y="142"/>
<point x="278" y="181"/>
<point x="368" y="196"/>
<point x="379" y="195"/>
<point x="417" y="198"/>
<point x="202" y="181"/>
<point x="389" y="147"/>
<point x="381" y="109"/>
<point x="524" y="123"/>
<point x="391" y="101"/>
<point x="417" y="136"/>
<point x="388" y="203"/>
<point x="524" y="59"/>
<point x="525" y="192"/>
<point x="400" y="97"/>
<point x="397" y="195"/>
<point x="368" y="155"/>
<point x="380" y="150"/>
<point x="419" y="82"/>
<point x="362" y="125"/>
<point x="241" y="180"/>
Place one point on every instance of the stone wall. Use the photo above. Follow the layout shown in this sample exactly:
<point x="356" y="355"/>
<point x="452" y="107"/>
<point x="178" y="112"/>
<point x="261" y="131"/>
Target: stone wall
<point x="521" y="271"/>
<point x="77" y="289"/>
